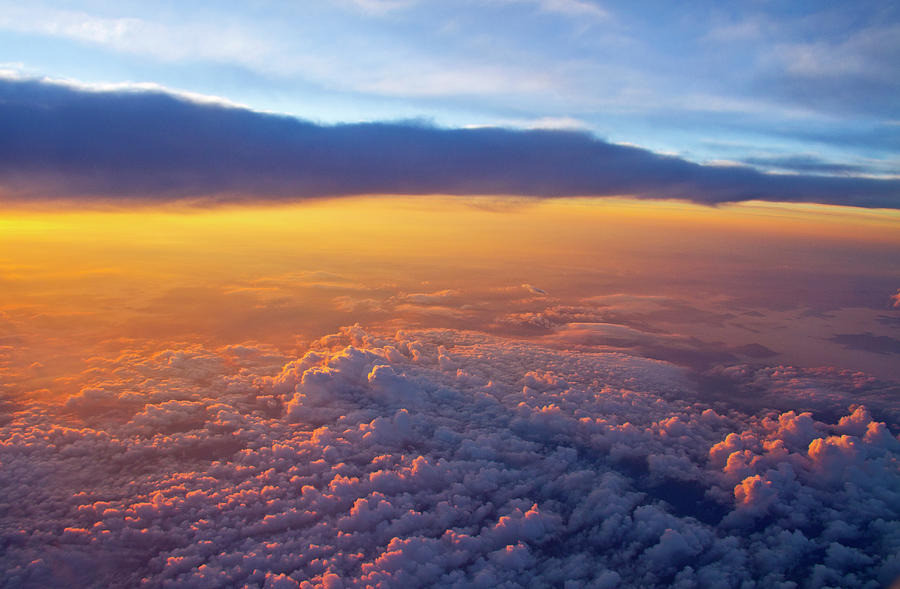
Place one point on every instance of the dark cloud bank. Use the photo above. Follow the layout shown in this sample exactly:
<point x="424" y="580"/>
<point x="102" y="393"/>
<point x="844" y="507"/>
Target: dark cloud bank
<point x="56" y="141"/>
<point x="436" y="458"/>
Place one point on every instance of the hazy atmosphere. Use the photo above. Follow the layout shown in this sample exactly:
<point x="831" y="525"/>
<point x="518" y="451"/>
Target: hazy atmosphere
<point x="488" y="293"/>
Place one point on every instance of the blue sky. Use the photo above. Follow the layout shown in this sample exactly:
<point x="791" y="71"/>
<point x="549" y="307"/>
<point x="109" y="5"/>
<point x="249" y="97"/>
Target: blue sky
<point x="785" y="87"/>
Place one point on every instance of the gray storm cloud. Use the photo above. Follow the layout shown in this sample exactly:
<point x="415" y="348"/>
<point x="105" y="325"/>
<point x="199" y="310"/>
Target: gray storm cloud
<point x="59" y="142"/>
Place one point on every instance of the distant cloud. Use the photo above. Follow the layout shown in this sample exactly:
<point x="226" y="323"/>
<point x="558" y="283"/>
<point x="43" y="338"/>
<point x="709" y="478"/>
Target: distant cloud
<point x="744" y="30"/>
<point x="804" y="164"/>
<point x="60" y="142"/>
<point x="574" y="8"/>
<point x="826" y="390"/>
<point x="568" y="8"/>
<point x="868" y="342"/>
<point x="150" y="37"/>
<point x="534" y="290"/>
<point x="380" y="7"/>
<point x="427" y="298"/>
<point x="853" y="73"/>
<point x="896" y="299"/>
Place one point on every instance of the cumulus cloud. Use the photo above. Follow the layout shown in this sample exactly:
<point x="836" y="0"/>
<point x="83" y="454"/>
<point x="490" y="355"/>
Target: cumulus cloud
<point x="826" y="390"/>
<point x="62" y="142"/>
<point x="441" y="458"/>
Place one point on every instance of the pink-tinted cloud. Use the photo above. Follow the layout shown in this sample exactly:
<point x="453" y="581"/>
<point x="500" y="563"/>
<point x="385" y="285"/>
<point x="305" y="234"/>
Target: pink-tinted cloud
<point x="437" y="458"/>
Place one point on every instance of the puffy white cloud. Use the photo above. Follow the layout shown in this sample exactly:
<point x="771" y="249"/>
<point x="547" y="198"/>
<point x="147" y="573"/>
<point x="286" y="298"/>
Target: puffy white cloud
<point x="438" y="458"/>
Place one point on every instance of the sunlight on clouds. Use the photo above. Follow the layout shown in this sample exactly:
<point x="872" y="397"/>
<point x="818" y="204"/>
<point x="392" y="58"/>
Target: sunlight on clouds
<point x="272" y="273"/>
<point x="538" y="383"/>
<point x="435" y="458"/>
<point x="416" y="293"/>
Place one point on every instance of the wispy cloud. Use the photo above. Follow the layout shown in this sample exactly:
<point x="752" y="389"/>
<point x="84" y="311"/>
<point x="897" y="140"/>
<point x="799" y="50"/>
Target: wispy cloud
<point x="574" y="8"/>
<point x="566" y="8"/>
<point x="743" y="30"/>
<point x="380" y="7"/>
<point x="869" y="53"/>
<point x="162" y="40"/>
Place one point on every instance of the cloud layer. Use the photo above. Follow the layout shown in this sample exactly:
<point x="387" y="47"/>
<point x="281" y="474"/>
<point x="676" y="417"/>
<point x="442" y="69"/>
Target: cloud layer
<point x="440" y="458"/>
<point x="61" y="142"/>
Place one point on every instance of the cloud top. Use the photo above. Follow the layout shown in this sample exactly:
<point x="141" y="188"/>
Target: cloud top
<point x="436" y="458"/>
<point x="61" y="142"/>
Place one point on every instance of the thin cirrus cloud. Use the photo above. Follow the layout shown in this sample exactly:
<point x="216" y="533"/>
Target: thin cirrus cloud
<point x="59" y="141"/>
<point x="567" y="8"/>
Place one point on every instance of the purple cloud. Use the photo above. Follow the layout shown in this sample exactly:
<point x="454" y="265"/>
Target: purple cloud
<point x="125" y="146"/>
<point x="438" y="458"/>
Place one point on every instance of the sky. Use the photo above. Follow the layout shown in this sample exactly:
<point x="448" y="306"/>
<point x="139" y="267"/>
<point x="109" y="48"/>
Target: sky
<point x="413" y="293"/>
<point x="802" y="87"/>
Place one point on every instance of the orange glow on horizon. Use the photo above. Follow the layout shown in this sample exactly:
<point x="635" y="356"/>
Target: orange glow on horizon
<point x="275" y="273"/>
